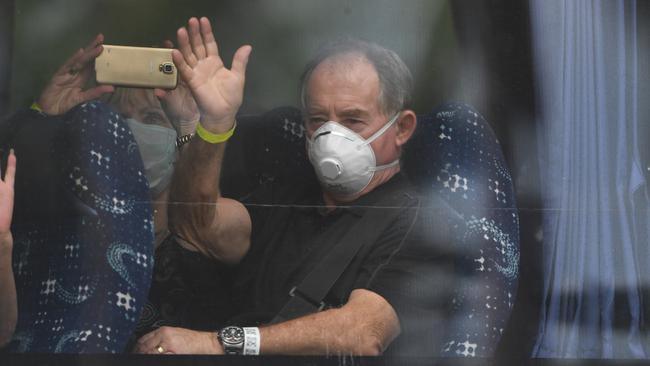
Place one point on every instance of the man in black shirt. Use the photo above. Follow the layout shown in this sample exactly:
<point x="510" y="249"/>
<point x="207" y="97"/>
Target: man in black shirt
<point x="355" y="98"/>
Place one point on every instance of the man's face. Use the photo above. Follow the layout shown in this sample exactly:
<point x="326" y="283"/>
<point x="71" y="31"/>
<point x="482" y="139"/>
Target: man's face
<point x="345" y="89"/>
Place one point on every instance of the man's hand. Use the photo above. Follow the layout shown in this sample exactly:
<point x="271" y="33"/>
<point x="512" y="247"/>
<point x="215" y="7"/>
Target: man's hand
<point x="168" y="340"/>
<point x="7" y="203"/>
<point x="65" y="89"/>
<point x="179" y="104"/>
<point x="218" y="227"/>
<point x="217" y="90"/>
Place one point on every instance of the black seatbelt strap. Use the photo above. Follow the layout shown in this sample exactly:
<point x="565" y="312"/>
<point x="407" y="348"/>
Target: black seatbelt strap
<point x="307" y="297"/>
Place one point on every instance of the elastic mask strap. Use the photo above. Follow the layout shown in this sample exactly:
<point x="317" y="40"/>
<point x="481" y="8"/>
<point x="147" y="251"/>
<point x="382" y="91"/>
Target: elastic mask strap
<point x="382" y="130"/>
<point x="385" y="166"/>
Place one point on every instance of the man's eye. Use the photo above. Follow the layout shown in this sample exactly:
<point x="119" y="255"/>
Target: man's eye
<point x="352" y="122"/>
<point x="316" y="121"/>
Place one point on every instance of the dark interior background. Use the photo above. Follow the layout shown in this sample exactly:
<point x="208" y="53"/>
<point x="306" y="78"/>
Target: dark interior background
<point x="477" y="52"/>
<point x="283" y="33"/>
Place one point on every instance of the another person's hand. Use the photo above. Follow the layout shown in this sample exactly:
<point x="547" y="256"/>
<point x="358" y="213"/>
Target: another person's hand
<point x="179" y="104"/>
<point x="169" y="340"/>
<point x="66" y="88"/>
<point x="8" y="305"/>
<point x="218" y="91"/>
<point x="7" y="203"/>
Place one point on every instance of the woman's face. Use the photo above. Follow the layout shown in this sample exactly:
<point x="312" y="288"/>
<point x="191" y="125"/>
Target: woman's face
<point x="143" y="106"/>
<point x="141" y="109"/>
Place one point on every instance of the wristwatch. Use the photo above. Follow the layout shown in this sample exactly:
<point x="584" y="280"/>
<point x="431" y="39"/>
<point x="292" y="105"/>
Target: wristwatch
<point x="232" y="340"/>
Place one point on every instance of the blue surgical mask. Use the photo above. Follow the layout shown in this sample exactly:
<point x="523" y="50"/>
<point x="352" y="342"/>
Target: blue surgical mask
<point x="157" y="145"/>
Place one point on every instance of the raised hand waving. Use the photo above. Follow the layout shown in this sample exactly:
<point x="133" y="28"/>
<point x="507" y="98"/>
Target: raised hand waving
<point x="217" y="90"/>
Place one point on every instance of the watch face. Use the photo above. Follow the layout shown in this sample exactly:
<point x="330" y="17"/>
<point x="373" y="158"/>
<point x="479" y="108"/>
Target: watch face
<point x="232" y="335"/>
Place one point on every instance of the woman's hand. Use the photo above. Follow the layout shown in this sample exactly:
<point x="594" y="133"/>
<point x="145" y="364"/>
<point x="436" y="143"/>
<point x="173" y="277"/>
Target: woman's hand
<point x="179" y="104"/>
<point x="65" y="89"/>
<point x="7" y="203"/>
<point x="217" y="90"/>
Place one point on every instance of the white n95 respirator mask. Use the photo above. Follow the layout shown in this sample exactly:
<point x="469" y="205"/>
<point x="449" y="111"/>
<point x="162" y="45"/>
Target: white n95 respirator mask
<point x="343" y="160"/>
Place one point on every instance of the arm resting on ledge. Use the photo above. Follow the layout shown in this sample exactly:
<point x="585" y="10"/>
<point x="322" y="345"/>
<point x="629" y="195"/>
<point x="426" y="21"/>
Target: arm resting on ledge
<point x="364" y="326"/>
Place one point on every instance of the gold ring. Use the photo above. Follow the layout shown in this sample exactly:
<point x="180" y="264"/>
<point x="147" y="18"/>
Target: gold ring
<point x="160" y="349"/>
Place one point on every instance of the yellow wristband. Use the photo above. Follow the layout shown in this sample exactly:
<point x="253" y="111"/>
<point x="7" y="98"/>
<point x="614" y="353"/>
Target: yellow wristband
<point x="36" y="107"/>
<point x="214" y="138"/>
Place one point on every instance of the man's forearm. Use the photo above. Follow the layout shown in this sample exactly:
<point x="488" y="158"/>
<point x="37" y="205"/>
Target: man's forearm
<point x="366" y="325"/>
<point x="195" y="187"/>
<point x="218" y="227"/>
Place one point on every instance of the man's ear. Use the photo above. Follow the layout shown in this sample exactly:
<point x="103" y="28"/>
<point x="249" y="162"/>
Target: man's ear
<point x="406" y="125"/>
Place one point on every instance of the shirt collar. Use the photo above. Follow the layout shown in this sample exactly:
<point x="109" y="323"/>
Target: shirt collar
<point x="361" y="205"/>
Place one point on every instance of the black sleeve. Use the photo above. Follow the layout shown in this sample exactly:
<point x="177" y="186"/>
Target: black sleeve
<point x="265" y="163"/>
<point x="412" y="268"/>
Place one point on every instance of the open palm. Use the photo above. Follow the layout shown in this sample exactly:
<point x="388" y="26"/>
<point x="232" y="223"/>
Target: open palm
<point x="7" y="196"/>
<point x="218" y="91"/>
<point x="66" y="88"/>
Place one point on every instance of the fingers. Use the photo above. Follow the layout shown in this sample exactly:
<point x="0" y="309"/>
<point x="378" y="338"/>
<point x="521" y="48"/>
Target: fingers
<point x="168" y="44"/>
<point x="90" y="52"/>
<point x="10" y="174"/>
<point x="240" y="60"/>
<point x="160" y="93"/>
<point x="212" y="49"/>
<point x="83" y="55"/>
<point x="198" y="43"/>
<point x="196" y="40"/>
<point x="185" y="48"/>
<point x="150" y="345"/>
<point x="183" y="68"/>
<point x="67" y="65"/>
<point x="99" y="39"/>
<point x="95" y="92"/>
<point x="150" y="349"/>
<point x="148" y="342"/>
<point x="89" y="55"/>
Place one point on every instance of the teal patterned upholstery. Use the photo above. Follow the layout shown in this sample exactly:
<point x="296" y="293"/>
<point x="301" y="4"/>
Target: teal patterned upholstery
<point x="83" y="231"/>
<point x="456" y="155"/>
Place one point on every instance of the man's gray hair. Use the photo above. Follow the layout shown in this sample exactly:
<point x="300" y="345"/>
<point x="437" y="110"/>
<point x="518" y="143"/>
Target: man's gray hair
<point x="395" y="80"/>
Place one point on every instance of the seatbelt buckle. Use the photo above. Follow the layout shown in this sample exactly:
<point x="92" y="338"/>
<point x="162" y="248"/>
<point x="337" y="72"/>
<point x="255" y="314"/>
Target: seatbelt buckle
<point x="295" y="292"/>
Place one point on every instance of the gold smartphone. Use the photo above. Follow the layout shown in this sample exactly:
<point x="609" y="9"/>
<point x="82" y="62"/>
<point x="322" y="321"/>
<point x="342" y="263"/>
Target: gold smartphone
<point x="142" y="67"/>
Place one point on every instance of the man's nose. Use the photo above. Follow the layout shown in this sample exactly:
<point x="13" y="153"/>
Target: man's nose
<point x="333" y="117"/>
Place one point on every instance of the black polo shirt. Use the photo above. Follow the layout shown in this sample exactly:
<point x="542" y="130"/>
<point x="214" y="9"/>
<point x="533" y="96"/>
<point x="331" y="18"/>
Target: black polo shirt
<point x="292" y="232"/>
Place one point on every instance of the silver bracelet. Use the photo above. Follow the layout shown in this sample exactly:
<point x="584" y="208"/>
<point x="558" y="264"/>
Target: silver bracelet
<point x="182" y="140"/>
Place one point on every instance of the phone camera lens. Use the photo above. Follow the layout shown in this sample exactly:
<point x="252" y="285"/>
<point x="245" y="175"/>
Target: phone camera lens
<point x="167" y="68"/>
